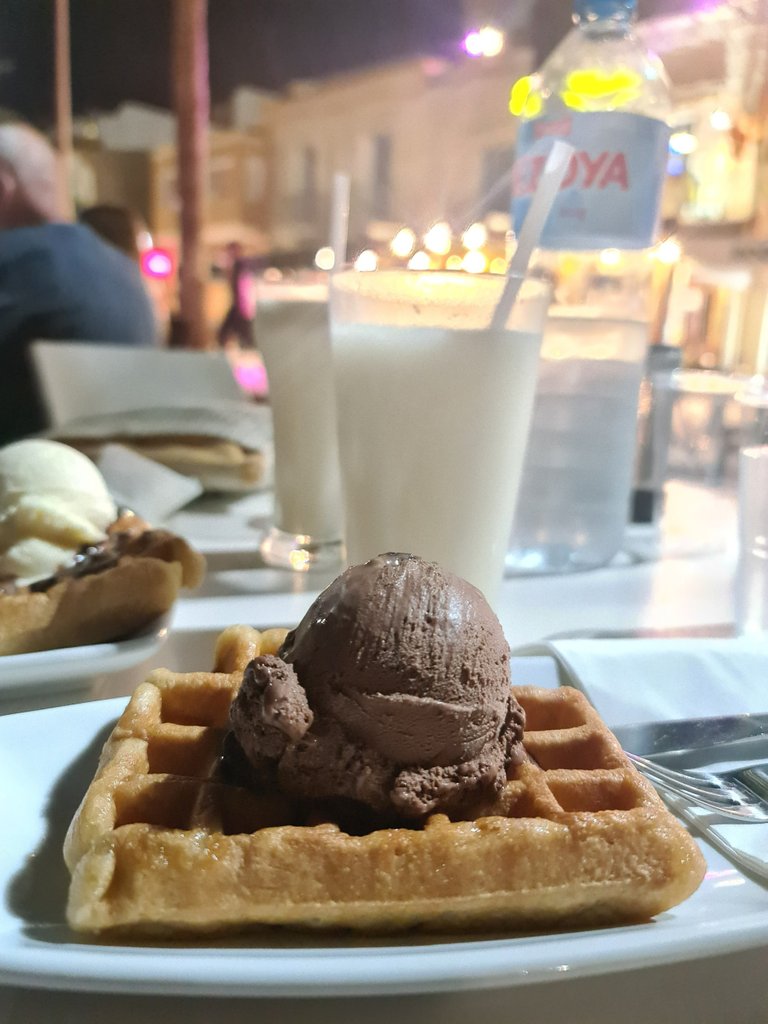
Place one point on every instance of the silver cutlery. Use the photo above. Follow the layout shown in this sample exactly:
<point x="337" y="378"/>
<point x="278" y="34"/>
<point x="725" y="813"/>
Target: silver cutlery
<point x="698" y="742"/>
<point x="740" y="794"/>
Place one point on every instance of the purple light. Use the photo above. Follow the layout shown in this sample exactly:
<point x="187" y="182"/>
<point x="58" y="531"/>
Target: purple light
<point x="157" y="263"/>
<point x="252" y="377"/>
<point x="473" y="44"/>
<point x="706" y="8"/>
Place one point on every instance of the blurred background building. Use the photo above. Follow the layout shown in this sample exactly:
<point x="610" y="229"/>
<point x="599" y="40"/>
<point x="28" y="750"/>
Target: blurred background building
<point x="428" y="142"/>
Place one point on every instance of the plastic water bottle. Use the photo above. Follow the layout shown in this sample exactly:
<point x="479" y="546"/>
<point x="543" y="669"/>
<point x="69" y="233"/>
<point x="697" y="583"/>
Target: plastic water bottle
<point x="607" y="95"/>
<point x="603" y="92"/>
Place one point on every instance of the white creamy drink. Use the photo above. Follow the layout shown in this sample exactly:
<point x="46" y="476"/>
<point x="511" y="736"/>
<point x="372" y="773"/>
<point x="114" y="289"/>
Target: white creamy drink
<point x="292" y="334"/>
<point x="433" y="421"/>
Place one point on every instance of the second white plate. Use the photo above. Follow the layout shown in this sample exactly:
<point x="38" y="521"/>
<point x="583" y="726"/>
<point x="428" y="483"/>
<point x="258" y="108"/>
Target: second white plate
<point x="48" y="671"/>
<point x="224" y="524"/>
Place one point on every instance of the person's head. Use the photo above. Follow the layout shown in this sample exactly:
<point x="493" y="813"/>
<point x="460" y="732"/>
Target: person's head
<point x="115" y="224"/>
<point x="30" y="182"/>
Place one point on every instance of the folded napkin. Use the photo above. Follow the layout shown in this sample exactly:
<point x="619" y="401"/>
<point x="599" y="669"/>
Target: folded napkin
<point x="226" y="445"/>
<point x="635" y="681"/>
<point x="147" y="487"/>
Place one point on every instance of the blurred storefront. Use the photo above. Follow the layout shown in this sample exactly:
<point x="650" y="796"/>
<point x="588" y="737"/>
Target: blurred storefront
<point x="716" y="201"/>
<point x="237" y="201"/>
<point x="428" y="144"/>
<point x="128" y="158"/>
<point x="423" y="141"/>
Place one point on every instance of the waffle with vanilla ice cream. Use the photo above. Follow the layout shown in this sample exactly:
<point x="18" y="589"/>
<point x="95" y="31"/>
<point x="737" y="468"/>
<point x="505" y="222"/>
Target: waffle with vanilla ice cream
<point x="73" y="570"/>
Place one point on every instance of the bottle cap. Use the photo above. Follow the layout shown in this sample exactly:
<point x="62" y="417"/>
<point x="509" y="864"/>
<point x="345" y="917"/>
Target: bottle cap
<point x="591" y="10"/>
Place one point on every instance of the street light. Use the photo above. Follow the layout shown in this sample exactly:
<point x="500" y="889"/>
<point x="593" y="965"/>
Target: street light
<point x="487" y="41"/>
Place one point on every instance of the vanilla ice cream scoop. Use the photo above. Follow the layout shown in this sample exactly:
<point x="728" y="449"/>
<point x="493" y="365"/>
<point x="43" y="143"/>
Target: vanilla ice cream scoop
<point x="52" y="501"/>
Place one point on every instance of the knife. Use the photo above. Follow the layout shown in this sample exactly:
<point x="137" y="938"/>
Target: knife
<point x="689" y="743"/>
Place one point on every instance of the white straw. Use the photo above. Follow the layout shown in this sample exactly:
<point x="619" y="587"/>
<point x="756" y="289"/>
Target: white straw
<point x="340" y="219"/>
<point x="543" y="199"/>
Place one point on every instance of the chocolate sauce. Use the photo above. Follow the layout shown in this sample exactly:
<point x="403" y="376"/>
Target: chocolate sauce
<point x="95" y="558"/>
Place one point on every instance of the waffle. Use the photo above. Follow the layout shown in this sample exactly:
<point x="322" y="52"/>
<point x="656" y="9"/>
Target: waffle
<point x="219" y="465"/>
<point x="103" y="605"/>
<point x="162" y="845"/>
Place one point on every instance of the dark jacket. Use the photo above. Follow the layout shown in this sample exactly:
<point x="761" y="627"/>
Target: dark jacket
<point x="61" y="281"/>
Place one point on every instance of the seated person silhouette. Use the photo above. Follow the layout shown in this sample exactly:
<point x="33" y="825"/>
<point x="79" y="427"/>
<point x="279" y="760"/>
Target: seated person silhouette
<point x="58" y="280"/>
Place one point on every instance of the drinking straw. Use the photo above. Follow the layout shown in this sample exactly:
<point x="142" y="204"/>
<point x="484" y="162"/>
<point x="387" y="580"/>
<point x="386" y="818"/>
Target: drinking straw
<point x="543" y="198"/>
<point x="339" y="219"/>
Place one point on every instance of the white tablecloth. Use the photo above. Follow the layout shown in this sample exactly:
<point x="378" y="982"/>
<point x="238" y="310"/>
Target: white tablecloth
<point x="672" y="592"/>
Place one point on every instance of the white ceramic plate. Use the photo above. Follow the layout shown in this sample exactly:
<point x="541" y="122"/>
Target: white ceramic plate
<point x="47" y="759"/>
<point x="49" y="671"/>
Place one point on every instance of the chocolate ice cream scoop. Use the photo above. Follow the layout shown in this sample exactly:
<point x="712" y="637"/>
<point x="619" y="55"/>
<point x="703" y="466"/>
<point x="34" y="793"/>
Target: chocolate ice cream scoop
<point x="271" y="710"/>
<point x="405" y="672"/>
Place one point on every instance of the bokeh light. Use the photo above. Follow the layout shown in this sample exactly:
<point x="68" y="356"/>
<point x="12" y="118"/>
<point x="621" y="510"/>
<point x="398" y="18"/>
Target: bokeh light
<point x="669" y="251"/>
<point x="610" y="257"/>
<point x="420" y="261"/>
<point x="721" y="120"/>
<point x="475" y="236"/>
<point x="367" y="260"/>
<point x="487" y="41"/>
<point x="403" y="244"/>
<point x="157" y="263"/>
<point x="474" y="262"/>
<point x="683" y="142"/>
<point x="325" y="258"/>
<point x="439" y="238"/>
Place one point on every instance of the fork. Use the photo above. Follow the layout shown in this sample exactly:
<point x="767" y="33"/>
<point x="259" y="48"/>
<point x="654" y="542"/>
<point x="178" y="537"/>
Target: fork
<point x="741" y="794"/>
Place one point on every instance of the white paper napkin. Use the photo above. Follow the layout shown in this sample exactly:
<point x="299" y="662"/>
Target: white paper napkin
<point x="634" y="681"/>
<point x="631" y="681"/>
<point x="153" y="491"/>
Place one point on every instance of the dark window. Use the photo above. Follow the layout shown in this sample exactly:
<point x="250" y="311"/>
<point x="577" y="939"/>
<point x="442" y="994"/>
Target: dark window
<point x="382" y="167"/>
<point x="309" y="184"/>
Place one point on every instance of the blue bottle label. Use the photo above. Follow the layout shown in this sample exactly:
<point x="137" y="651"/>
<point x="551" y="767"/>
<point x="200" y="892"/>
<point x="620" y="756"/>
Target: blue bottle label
<point x="611" y="193"/>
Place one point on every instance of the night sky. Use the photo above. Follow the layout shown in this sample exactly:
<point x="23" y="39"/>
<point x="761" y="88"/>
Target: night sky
<point x="120" y="48"/>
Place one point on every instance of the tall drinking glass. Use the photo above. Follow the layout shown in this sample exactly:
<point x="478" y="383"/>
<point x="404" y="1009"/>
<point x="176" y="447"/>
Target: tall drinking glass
<point x="433" y="410"/>
<point x="292" y="334"/>
<point x="577" y="476"/>
<point x="752" y="572"/>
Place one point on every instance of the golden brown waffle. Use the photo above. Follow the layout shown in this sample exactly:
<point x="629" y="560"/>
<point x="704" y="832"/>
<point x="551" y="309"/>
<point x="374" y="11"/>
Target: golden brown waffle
<point x="160" y="845"/>
<point x="218" y="465"/>
<point x="102" y="606"/>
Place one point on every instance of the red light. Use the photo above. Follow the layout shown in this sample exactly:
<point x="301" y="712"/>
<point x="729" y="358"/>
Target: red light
<point x="157" y="263"/>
